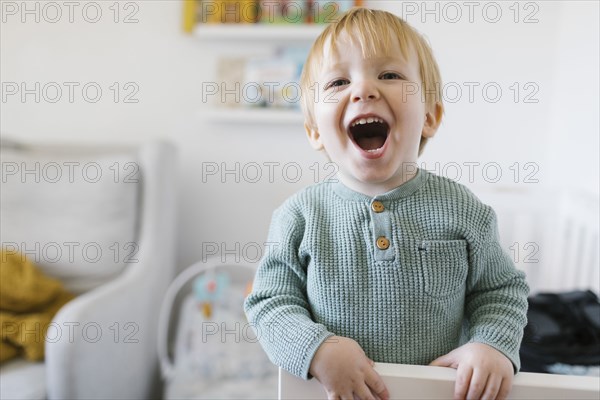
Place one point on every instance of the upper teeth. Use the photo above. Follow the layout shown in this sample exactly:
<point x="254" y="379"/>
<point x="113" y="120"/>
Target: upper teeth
<point x="368" y="120"/>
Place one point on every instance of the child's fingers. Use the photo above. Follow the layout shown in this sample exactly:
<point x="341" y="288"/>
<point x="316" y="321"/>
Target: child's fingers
<point x="335" y="395"/>
<point x="477" y="384"/>
<point x="332" y="396"/>
<point x="363" y="393"/>
<point x="375" y="396"/>
<point x="505" y="387"/>
<point x="375" y="383"/>
<point x="447" y="360"/>
<point x="346" y="396"/>
<point x="492" y="387"/>
<point x="463" y="377"/>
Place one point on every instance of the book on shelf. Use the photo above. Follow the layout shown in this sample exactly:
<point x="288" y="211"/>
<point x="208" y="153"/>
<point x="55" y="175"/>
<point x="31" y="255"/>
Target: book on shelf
<point x="272" y="12"/>
<point x="260" y="82"/>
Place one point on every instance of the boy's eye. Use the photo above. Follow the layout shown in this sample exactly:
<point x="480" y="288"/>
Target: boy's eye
<point x="337" y="83"/>
<point x="390" y="75"/>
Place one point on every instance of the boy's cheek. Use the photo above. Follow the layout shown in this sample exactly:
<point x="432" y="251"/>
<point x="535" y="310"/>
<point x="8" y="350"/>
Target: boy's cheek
<point x="411" y="90"/>
<point x="326" y="103"/>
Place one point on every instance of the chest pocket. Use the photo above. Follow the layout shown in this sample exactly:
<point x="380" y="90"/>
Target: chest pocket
<point x="444" y="265"/>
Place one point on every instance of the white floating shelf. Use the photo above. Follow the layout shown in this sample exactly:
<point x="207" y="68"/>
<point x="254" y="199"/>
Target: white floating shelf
<point x="258" y="31"/>
<point x="254" y="116"/>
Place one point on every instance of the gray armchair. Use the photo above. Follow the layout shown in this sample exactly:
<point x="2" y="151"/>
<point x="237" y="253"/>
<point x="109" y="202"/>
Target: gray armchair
<point x="101" y="345"/>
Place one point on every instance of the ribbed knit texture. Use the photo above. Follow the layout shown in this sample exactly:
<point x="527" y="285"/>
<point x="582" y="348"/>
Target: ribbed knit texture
<point x="443" y="281"/>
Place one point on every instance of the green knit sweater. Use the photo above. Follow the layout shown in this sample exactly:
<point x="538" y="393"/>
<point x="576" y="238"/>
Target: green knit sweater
<point x="441" y="281"/>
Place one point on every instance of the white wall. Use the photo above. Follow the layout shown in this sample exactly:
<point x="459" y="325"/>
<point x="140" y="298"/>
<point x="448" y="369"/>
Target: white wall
<point x="559" y="134"/>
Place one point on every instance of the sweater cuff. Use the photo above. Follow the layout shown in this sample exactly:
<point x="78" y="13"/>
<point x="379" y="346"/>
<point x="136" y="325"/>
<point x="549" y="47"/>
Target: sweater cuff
<point x="310" y="353"/>
<point x="505" y="345"/>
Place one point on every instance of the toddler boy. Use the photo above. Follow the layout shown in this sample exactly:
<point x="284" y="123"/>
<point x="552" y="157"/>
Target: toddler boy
<point x="390" y="263"/>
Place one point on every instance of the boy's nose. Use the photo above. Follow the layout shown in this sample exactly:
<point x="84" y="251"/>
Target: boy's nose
<point x="364" y="91"/>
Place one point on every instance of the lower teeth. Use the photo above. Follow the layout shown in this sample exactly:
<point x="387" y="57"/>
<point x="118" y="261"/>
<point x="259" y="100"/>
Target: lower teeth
<point x="372" y="150"/>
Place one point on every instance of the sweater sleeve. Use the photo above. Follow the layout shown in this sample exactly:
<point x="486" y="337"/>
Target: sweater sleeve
<point x="277" y="307"/>
<point x="496" y="302"/>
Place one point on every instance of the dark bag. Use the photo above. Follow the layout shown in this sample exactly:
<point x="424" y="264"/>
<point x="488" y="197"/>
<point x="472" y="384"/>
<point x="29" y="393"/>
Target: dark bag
<point x="562" y="328"/>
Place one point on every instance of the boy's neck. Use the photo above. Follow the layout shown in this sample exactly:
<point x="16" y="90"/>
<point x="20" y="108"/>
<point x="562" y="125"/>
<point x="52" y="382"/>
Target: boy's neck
<point x="375" y="189"/>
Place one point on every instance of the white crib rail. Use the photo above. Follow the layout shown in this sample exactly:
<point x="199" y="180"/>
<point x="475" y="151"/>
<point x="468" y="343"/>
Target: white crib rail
<point x="424" y="382"/>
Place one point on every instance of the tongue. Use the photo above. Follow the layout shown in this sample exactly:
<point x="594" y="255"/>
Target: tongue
<point x="370" y="143"/>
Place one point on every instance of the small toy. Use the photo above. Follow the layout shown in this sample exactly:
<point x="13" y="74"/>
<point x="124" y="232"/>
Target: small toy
<point x="208" y="289"/>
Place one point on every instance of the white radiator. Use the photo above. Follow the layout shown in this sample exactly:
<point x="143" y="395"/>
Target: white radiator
<point x="423" y="382"/>
<point x="551" y="234"/>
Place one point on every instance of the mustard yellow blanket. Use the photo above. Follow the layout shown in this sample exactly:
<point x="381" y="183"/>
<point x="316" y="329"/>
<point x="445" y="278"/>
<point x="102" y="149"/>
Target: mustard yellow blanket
<point x="28" y="302"/>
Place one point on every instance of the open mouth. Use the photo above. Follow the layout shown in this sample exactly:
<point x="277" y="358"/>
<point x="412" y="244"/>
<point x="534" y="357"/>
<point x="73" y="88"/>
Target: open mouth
<point x="369" y="133"/>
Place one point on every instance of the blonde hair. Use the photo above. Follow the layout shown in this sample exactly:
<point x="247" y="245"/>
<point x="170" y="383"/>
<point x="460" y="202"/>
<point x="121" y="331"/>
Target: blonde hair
<point x="374" y="30"/>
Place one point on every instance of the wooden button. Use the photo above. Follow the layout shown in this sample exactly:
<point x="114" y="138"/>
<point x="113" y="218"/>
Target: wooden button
<point x="383" y="243"/>
<point x="377" y="206"/>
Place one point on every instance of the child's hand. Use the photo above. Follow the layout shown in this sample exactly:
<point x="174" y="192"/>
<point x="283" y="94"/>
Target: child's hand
<point x="342" y="367"/>
<point x="482" y="371"/>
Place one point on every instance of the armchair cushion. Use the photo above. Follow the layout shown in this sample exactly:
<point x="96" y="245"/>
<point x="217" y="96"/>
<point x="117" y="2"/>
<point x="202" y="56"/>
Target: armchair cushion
<point x="74" y="214"/>
<point x="117" y="358"/>
<point x="23" y="380"/>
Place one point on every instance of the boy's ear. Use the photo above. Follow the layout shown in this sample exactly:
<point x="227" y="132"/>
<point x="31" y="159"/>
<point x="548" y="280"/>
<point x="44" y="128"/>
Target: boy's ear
<point x="313" y="137"/>
<point x="433" y="119"/>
